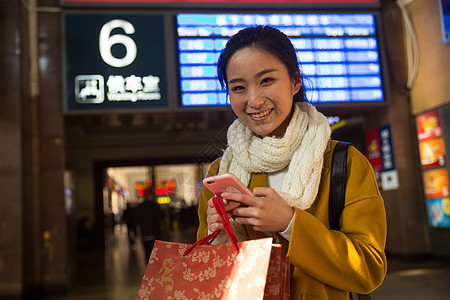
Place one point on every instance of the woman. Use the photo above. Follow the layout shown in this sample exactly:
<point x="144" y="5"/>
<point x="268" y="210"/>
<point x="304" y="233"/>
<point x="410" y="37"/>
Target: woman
<point x="280" y="147"/>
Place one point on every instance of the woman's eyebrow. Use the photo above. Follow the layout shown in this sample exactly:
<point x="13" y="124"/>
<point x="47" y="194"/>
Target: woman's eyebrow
<point x="234" y="80"/>
<point x="259" y="74"/>
<point x="265" y="71"/>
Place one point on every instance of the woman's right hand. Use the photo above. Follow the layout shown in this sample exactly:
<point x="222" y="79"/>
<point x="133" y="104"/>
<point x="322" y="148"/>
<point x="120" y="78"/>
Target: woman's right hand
<point x="213" y="219"/>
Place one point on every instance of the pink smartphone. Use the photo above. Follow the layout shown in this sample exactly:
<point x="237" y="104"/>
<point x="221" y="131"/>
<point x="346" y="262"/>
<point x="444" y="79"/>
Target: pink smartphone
<point x="225" y="183"/>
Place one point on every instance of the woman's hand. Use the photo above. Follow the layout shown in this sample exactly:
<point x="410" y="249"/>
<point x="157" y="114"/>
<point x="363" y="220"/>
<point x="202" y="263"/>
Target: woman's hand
<point x="266" y="212"/>
<point x="213" y="219"/>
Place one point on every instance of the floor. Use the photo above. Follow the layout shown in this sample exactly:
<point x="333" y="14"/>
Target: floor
<point x="117" y="275"/>
<point x="421" y="279"/>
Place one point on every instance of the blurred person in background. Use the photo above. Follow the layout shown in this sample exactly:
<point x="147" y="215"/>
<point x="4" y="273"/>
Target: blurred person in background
<point x="148" y="216"/>
<point x="130" y="220"/>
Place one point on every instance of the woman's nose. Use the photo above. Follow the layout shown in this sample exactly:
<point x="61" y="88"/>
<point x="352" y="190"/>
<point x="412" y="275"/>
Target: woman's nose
<point x="256" y="98"/>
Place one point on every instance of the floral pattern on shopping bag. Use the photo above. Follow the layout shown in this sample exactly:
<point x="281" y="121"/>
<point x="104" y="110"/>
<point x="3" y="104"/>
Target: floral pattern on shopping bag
<point x="165" y="280"/>
<point x="208" y="272"/>
<point x="274" y="277"/>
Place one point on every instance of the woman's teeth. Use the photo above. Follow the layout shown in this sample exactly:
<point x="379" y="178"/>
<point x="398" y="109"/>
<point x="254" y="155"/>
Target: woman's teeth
<point x="261" y="114"/>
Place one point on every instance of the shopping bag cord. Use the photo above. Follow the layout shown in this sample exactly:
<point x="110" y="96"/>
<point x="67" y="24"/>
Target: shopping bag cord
<point x="220" y="208"/>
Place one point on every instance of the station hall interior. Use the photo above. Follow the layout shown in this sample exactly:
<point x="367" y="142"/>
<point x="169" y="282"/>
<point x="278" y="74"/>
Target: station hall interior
<point x="74" y="160"/>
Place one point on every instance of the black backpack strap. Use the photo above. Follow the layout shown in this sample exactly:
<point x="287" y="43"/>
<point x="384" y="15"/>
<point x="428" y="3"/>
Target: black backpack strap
<point x="337" y="184"/>
<point x="337" y="195"/>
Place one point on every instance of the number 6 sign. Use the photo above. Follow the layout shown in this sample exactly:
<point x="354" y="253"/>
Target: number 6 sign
<point x="114" y="62"/>
<point x="106" y="41"/>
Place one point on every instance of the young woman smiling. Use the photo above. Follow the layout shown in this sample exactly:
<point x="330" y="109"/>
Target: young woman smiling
<point x="279" y="146"/>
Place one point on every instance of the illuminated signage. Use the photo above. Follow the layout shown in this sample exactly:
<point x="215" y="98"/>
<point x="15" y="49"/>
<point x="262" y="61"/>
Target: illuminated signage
<point x="338" y="53"/>
<point x="163" y="200"/>
<point x="114" y="62"/>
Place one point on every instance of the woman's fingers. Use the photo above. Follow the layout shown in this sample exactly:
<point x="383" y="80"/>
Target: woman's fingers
<point x="214" y="223"/>
<point x="213" y="219"/>
<point x="268" y="212"/>
<point x="238" y="199"/>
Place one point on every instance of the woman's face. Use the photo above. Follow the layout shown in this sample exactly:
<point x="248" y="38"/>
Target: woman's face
<point x="261" y="91"/>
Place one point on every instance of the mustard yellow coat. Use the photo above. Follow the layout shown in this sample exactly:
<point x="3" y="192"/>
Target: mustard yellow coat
<point x="327" y="264"/>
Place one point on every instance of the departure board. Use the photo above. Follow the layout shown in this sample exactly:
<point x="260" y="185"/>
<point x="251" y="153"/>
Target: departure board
<point x="338" y="54"/>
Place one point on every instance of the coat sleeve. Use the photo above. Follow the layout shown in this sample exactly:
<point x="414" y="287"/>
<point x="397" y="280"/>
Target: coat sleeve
<point x="353" y="258"/>
<point x="205" y="195"/>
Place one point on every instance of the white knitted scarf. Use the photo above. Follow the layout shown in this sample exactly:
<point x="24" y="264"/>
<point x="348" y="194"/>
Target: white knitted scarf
<point x="301" y="149"/>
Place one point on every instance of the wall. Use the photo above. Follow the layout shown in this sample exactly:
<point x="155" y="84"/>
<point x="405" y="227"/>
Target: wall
<point x="11" y="247"/>
<point x="33" y="235"/>
<point x="53" y="220"/>
<point x="432" y="86"/>
<point x="408" y="233"/>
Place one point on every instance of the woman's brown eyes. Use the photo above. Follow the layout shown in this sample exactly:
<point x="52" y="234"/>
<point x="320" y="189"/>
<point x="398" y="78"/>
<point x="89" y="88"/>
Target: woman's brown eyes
<point x="237" y="88"/>
<point x="265" y="80"/>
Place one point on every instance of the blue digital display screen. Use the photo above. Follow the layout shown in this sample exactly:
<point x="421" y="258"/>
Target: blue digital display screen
<point x="338" y="54"/>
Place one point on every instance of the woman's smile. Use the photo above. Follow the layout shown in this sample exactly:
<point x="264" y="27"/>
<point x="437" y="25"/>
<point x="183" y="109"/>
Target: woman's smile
<point x="262" y="115"/>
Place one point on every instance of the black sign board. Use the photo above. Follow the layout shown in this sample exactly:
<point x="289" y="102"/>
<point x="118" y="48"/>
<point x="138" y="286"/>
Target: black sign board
<point x="114" y="62"/>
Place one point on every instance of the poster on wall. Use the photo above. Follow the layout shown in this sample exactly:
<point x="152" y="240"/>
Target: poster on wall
<point x="436" y="183"/>
<point x="432" y="153"/>
<point x="429" y="125"/>
<point x="374" y="153"/>
<point x="439" y="212"/>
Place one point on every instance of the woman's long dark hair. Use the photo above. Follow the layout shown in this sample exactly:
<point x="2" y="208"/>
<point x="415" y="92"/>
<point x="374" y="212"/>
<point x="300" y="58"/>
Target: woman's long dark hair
<point x="268" y="39"/>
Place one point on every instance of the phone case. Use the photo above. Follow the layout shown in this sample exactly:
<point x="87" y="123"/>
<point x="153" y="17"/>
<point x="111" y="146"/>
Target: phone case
<point x="225" y="183"/>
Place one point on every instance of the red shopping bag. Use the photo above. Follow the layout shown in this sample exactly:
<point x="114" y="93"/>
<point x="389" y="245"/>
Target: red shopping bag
<point x="253" y="269"/>
<point x="278" y="276"/>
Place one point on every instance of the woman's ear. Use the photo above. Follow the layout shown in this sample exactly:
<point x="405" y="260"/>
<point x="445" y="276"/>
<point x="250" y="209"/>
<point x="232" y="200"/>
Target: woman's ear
<point x="297" y="82"/>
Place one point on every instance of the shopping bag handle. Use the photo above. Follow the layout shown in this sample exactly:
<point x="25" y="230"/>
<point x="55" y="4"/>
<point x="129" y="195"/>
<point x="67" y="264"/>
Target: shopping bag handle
<point x="220" y="208"/>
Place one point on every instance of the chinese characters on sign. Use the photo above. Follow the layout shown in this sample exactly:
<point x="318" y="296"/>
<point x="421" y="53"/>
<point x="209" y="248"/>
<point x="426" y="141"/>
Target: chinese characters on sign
<point x="133" y="88"/>
<point x="387" y="154"/>
<point x="381" y="156"/>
